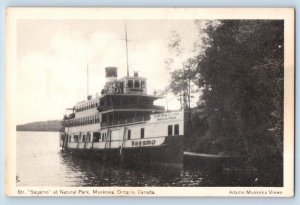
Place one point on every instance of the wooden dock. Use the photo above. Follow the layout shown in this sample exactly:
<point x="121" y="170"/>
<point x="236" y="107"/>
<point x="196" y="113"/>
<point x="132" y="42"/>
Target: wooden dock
<point x="210" y="161"/>
<point x="194" y="154"/>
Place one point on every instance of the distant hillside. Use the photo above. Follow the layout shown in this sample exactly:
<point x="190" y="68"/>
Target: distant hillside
<point x="49" y="126"/>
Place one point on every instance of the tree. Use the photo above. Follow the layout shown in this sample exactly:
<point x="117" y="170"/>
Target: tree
<point x="241" y="73"/>
<point x="182" y="72"/>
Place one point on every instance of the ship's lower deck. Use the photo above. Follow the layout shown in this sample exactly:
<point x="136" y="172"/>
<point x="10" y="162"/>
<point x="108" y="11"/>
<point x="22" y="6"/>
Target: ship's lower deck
<point x="169" y="153"/>
<point x="160" y="139"/>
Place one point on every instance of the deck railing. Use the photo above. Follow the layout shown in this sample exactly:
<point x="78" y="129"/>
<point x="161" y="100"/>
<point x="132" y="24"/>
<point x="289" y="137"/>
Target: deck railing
<point x="136" y="120"/>
<point x="145" y="106"/>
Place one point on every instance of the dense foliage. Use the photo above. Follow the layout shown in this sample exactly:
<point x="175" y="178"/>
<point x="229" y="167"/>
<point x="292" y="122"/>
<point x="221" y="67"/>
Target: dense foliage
<point x="240" y="73"/>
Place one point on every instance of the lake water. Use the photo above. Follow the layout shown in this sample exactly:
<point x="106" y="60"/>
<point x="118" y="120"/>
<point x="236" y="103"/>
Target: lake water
<point x="40" y="162"/>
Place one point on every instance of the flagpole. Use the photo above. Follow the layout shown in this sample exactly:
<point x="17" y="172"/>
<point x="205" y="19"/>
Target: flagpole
<point x="87" y="77"/>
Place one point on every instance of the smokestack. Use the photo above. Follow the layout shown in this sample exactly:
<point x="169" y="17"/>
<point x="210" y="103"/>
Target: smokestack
<point x="111" y="73"/>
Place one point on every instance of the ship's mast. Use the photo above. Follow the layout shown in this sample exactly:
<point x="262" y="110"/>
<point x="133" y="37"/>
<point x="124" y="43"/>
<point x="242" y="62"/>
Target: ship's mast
<point x="126" y="40"/>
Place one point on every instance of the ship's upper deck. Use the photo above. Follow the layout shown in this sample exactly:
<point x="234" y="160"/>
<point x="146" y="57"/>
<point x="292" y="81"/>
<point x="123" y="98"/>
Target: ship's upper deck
<point x="124" y="94"/>
<point x="126" y="85"/>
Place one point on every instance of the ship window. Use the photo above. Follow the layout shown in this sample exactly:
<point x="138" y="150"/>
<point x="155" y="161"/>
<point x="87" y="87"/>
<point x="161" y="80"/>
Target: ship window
<point x="170" y="130"/>
<point x="176" y="129"/>
<point x="84" y="138"/>
<point x="129" y="134"/>
<point x="122" y="84"/>
<point x="142" y="133"/>
<point x="103" y="137"/>
<point x="143" y="84"/>
<point x="136" y="83"/>
<point x="75" y="138"/>
<point x="89" y="139"/>
<point x="96" y="136"/>
<point x="69" y="139"/>
<point x="130" y="83"/>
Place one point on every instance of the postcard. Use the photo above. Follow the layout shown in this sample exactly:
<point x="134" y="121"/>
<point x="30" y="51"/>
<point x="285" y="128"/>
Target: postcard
<point x="149" y="102"/>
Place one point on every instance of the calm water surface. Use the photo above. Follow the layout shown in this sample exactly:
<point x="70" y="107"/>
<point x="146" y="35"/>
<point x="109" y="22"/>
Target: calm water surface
<point x="40" y="162"/>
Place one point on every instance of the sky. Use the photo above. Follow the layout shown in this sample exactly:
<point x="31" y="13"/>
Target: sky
<point x="53" y="56"/>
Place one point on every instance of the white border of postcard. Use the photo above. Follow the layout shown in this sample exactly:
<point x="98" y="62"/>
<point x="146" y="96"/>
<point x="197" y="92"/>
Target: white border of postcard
<point x="15" y="14"/>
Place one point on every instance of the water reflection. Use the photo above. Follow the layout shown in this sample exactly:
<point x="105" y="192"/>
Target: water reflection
<point x="94" y="173"/>
<point x="40" y="162"/>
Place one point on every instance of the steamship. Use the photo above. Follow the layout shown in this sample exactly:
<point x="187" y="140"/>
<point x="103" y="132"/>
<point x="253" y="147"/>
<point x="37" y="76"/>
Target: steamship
<point x="123" y="124"/>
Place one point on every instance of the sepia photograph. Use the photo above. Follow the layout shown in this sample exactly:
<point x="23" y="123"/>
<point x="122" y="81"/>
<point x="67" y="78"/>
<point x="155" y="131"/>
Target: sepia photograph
<point x="149" y="102"/>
